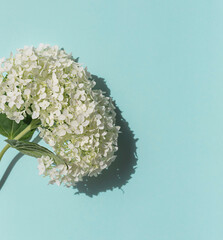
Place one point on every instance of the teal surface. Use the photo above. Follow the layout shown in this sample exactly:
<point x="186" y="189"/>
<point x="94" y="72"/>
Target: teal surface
<point x="162" y="61"/>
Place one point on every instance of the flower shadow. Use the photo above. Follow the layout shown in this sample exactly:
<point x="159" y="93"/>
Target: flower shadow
<point x="7" y="172"/>
<point x="121" y="170"/>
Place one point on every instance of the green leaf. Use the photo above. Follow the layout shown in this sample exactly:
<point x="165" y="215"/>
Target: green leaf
<point x="34" y="150"/>
<point x="11" y="129"/>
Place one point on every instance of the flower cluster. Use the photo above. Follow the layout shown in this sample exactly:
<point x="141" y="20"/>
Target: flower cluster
<point x="77" y="121"/>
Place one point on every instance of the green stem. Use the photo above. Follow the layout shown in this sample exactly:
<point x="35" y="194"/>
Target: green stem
<point x="34" y="123"/>
<point x="4" y="150"/>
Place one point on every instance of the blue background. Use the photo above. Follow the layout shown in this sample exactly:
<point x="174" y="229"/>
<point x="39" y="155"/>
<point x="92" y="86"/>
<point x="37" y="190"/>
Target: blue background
<point x="162" y="61"/>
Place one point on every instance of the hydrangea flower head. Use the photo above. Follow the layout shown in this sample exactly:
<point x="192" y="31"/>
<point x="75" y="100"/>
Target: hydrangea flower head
<point x="77" y="121"/>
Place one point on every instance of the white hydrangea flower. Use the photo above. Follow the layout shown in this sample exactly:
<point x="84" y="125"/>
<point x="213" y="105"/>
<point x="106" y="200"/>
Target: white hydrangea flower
<point x="76" y="121"/>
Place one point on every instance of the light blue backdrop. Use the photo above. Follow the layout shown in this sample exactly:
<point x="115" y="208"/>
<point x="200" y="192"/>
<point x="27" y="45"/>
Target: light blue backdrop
<point x="162" y="61"/>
